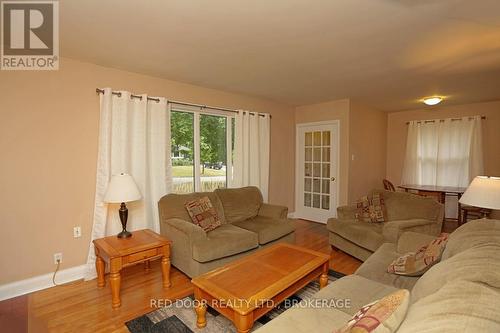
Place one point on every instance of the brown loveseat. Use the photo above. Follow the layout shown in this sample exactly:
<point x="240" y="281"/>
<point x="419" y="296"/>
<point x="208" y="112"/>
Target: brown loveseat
<point x="404" y="212"/>
<point x="247" y="224"/>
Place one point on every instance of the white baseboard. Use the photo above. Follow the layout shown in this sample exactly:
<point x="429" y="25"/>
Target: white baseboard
<point x="291" y="215"/>
<point x="40" y="282"/>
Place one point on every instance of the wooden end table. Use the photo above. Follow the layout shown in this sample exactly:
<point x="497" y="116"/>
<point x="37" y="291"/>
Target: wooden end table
<point x="143" y="246"/>
<point x="248" y="288"/>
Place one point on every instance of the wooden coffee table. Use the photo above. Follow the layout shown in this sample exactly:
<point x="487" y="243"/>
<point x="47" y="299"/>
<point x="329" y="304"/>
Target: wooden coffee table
<point x="143" y="246"/>
<point x="246" y="289"/>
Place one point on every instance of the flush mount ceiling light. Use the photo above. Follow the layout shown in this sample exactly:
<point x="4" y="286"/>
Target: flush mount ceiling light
<point x="432" y="100"/>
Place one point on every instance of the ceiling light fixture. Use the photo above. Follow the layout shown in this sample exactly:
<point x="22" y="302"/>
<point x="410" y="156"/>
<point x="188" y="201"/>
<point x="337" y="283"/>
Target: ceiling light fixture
<point x="432" y="100"/>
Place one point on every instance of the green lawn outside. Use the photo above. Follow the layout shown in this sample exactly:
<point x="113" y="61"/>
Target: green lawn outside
<point x="187" y="171"/>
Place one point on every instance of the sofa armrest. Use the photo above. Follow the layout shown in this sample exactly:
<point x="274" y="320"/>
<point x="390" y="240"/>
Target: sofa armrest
<point x="273" y="211"/>
<point x="411" y="241"/>
<point x="392" y="230"/>
<point x="191" y="230"/>
<point x="347" y="212"/>
<point x="332" y="221"/>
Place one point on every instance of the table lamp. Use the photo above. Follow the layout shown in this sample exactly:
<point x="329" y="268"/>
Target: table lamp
<point x="121" y="189"/>
<point x="483" y="192"/>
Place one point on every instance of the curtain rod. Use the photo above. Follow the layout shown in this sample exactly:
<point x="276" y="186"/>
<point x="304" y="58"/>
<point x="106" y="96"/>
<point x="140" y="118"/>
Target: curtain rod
<point x="117" y="93"/>
<point x="442" y="120"/>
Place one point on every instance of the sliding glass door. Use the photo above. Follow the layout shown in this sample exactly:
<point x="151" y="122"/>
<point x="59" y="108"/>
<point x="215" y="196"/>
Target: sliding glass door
<point x="201" y="150"/>
<point x="182" y="150"/>
<point x="213" y="152"/>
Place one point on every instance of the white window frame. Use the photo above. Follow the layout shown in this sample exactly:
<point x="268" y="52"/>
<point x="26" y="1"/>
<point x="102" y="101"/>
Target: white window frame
<point x="197" y="112"/>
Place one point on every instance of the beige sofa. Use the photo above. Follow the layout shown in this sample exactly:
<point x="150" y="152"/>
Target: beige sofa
<point x="405" y="212"/>
<point x="247" y="224"/>
<point x="459" y="294"/>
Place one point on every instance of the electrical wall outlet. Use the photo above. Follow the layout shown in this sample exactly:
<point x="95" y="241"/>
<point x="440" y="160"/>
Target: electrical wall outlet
<point x="77" y="232"/>
<point x="57" y="257"/>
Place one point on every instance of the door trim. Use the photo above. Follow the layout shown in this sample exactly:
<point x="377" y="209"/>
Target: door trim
<point x="298" y="213"/>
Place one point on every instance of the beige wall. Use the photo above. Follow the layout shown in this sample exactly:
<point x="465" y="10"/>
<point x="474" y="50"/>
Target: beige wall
<point x="334" y="110"/>
<point x="397" y="130"/>
<point x="48" y="144"/>
<point x="367" y="149"/>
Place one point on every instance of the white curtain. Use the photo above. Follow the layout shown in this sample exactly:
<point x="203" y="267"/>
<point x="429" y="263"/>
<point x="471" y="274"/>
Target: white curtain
<point x="444" y="153"/>
<point x="134" y="138"/>
<point x="251" y="151"/>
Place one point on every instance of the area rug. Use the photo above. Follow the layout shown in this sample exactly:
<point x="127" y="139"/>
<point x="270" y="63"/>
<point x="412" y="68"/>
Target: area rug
<point x="182" y="319"/>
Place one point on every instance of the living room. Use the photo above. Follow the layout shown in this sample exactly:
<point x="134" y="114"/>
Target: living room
<point x="315" y="104"/>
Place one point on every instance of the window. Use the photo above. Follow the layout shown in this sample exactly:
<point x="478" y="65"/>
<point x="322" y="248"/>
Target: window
<point x="444" y="152"/>
<point x="201" y="145"/>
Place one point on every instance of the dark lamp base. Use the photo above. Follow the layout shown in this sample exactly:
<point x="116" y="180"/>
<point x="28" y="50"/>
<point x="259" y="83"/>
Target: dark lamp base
<point x="123" y="219"/>
<point x="124" y="234"/>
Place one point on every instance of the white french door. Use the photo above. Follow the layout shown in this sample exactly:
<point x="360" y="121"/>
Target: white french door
<point x="316" y="178"/>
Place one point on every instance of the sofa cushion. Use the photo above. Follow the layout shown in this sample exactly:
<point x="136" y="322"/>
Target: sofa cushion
<point x="479" y="264"/>
<point x="224" y="241"/>
<point x="382" y="316"/>
<point x="410" y="240"/>
<point x="375" y="268"/>
<point x="266" y="228"/>
<point x="367" y="235"/>
<point x="460" y="306"/>
<point x="203" y="214"/>
<point x="306" y="320"/>
<point x="472" y="234"/>
<point x="171" y="206"/>
<point x="355" y="289"/>
<point x="240" y="203"/>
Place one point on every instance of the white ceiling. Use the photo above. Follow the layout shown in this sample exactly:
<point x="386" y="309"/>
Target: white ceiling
<point x="386" y="53"/>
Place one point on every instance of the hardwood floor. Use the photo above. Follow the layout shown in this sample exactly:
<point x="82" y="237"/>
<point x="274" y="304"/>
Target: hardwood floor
<point x="82" y="307"/>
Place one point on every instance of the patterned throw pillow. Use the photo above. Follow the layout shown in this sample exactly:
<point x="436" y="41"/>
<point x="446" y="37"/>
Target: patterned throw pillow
<point x="371" y="210"/>
<point x="417" y="263"/>
<point x="382" y="316"/>
<point x="202" y="213"/>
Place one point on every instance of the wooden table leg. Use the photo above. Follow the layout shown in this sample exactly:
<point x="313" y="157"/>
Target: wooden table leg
<point x="99" y="266"/>
<point x="200" y="308"/>
<point x="165" y="268"/>
<point x="323" y="279"/>
<point x="115" y="282"/>
<point x="243" y="323"/>
<point x="442" y="200"/>
<point x="459" y="216"/>
<point x="464" y="217"/>
<point x="442" y="197"/>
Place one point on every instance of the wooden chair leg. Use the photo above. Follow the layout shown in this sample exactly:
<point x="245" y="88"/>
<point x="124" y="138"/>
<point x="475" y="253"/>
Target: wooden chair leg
<point x="464" y="217"/>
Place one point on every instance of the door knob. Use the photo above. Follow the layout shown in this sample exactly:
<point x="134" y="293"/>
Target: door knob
<point x="332" y="179"/>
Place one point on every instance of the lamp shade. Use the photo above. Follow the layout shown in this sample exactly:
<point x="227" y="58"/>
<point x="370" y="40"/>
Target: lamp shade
<point x="483" y="192"/>
<point x="122" y="188"/>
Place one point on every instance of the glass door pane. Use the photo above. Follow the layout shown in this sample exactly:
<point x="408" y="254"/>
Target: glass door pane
<point x="308" y="157"/>
<point x="325" y="170"/>
<point x="317" y="149"/>
<point x="213" y="152"/>
<point x="182" y="151"/>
